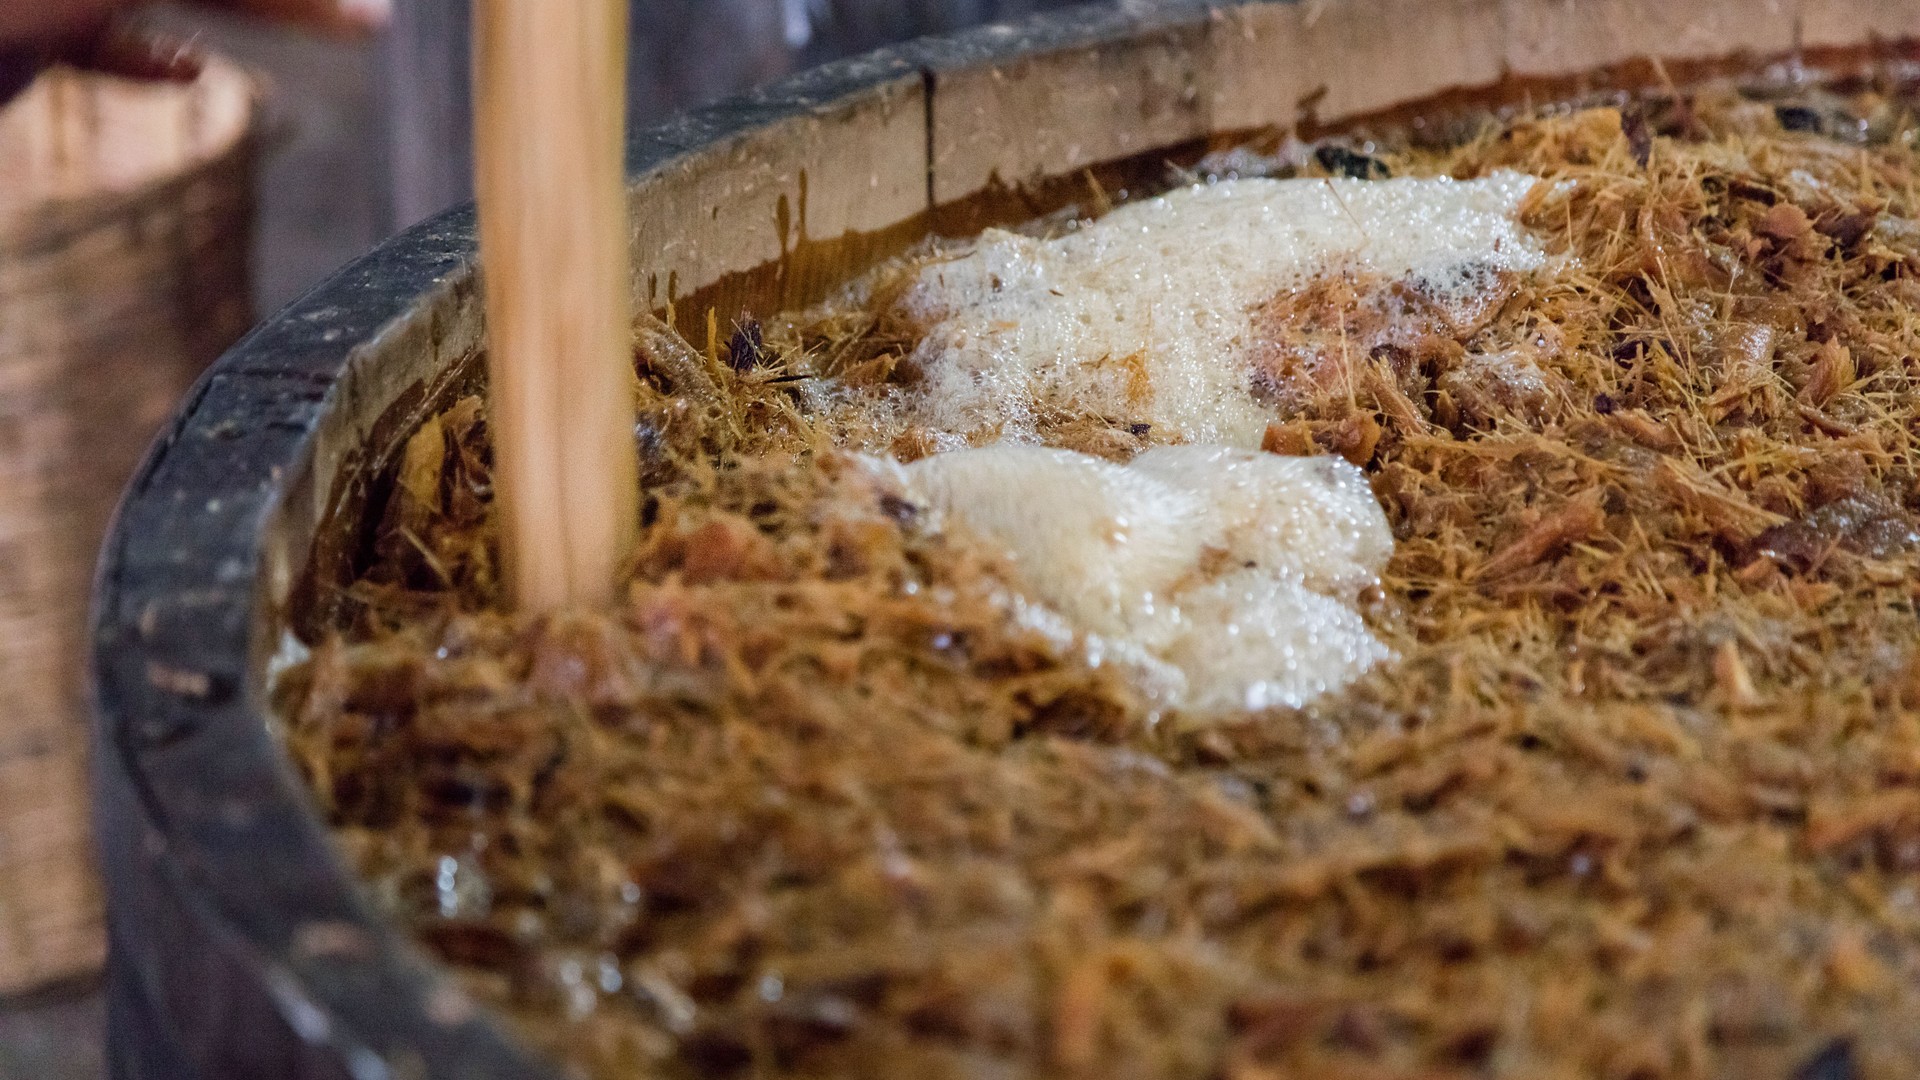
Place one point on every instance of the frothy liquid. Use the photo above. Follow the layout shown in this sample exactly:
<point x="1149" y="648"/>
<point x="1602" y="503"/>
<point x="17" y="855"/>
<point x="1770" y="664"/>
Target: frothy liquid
<point x="1229" y="577"/>
<point x="1233" y="574"/>
<point x="1146" y="314"/>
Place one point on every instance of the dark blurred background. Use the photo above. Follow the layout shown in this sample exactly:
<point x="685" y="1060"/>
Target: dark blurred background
<point x="373" y="138"/>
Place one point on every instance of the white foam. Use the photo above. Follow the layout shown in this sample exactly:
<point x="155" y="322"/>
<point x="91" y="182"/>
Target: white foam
<point x="1250" y="641"/>
<point x="1097" y="541"/>
<point x="1238" y="570"/>
<point x="1146" y="314"/>
<point x="1313" y="518"/>
<point x="1229" y="578"/>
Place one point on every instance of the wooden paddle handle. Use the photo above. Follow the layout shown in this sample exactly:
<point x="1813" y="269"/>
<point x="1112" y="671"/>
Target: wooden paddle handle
<point x="549" y="132"/>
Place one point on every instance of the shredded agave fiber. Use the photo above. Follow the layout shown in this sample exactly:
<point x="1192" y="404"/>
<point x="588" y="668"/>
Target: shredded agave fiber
<point x="1627" y="786"/>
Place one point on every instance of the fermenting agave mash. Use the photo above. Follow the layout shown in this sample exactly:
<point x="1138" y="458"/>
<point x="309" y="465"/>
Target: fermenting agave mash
<point x="920" y="745"/>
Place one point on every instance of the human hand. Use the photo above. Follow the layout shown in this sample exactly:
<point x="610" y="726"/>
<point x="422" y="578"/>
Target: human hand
<point x="92" y="34"/>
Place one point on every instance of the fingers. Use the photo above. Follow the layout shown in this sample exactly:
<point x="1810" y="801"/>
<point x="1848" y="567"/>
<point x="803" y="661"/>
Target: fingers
<point x="142" y="54"/>
<point x="349" y="17"/>
<point x="34" y="33"/>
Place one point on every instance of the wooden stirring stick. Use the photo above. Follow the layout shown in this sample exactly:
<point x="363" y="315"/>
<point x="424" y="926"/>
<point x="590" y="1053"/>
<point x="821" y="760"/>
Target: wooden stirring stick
<point x="550" y="116"/>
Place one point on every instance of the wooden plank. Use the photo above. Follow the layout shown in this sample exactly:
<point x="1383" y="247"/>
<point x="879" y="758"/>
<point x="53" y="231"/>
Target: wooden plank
<point x="791" y="188"/>
<point x="1840" y="23"/>
<point x="1073" y="106"/>
<point x="1562" y="37"/>
<point x="1348" y="59"/>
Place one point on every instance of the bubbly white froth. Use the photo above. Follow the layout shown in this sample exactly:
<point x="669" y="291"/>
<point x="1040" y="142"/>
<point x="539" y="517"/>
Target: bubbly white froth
<point x="1146" y="314"/>
<point x="1098" y="542"/>
<point x="1229" y="577"/>
<point x="1235" y="570"/>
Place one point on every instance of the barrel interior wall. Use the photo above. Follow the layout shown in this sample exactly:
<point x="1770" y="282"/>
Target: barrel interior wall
<point x="776" y="216"/>
<point x="1846" y="24"/>
<point x="417" y="365"/>
<point x="814" y="197"/>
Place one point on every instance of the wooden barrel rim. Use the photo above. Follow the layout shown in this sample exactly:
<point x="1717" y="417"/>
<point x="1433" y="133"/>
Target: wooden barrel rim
<point x="241" y="943"/>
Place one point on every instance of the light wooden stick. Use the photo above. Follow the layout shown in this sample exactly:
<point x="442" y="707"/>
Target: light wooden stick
<point x="549" y="117"/>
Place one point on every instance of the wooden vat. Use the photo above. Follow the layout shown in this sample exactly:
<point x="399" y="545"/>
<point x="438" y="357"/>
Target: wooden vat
<point x="241" y="945"/>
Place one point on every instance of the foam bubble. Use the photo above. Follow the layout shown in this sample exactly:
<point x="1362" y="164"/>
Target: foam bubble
<point x="1239" y="570"/>
<point x="1252" y="640"/>
<point x="1313" y="518"/>
<point x="1097" y="541"/>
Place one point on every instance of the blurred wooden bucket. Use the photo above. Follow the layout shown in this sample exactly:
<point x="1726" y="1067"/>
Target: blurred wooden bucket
<point x="126" y="211"/>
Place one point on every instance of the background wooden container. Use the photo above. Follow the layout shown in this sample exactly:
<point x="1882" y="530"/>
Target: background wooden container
<point x="125" y="214"/>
